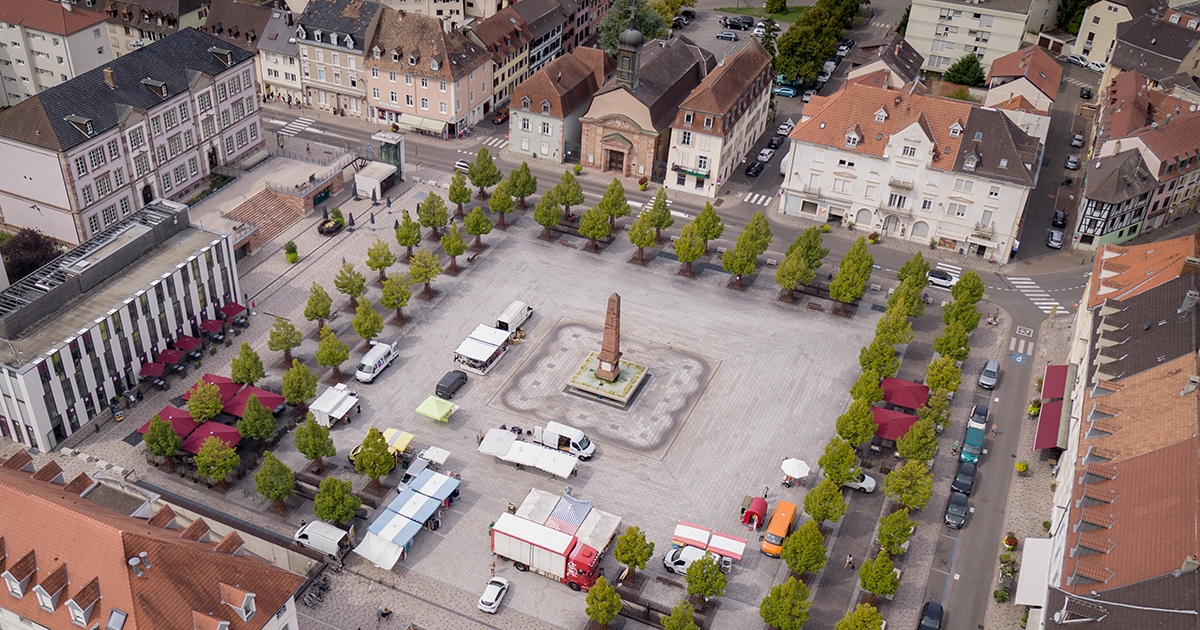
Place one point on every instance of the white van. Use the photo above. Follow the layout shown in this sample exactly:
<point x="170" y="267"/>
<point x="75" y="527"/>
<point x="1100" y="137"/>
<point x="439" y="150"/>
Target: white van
<point x="513" y="316"/>
<point x="783" y="164"/>
<point x="323" y="537"/>
<point x="564" y="438"/>
<point x="679" y="559"/>
<point x="377" y="358"/>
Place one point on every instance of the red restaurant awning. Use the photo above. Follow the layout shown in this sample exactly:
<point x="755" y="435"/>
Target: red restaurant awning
<point x="1054" y="382"/>
<point x="893" y="425"/>
<point x="904" y="393"/>
<point x="187" y="344"/>
<point x="228" y="388"/>
<point x="152" y="369"/>
<point x="212" y="325"/>
<point x="232" y="309"/>
<point x="224" y="432"/>
<point x="180" y="420"/>
<point x="170" y="356"/>
<point x="267" y="399"/>
<point x="1047" y="429"/>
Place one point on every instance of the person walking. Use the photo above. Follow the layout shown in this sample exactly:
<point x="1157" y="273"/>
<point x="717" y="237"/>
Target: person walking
<point x="849" y="561"/>
<point x="493" y="568"/>
<point x="765" y="488"/>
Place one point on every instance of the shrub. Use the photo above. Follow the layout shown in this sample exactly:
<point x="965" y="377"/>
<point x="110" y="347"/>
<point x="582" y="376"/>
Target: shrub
<point x="292" y="257"/>
<point x="290" y="247"/>
<point x="335" y="215"/>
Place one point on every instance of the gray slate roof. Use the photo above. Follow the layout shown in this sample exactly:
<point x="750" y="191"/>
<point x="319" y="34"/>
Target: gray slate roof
<point x="895" y="51"/>
<point x="541" y="15"/>
<point x="1150" y="329"/>
<point x="1119" y="177"/>
<point x="277" y="33"/>
<point x="344" y="17"/>
<point x="670" y="70"/>
<point x="1152" y="46"/>
<point x="1001" y="139"/>
<point x="41" y="120"/>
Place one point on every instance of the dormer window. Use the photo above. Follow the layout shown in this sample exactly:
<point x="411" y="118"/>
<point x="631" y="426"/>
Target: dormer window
<point x="159" y="87"/>
<point x="970" y="162"/>
<point x="433" y="64"/>
<point x="223" y="54"/>
<point x="78" y="616"/>
<point x="317" y="34"/>
<point x="375" y="52"/>
<point x="333" y="38"/>
<point x="525" y="103"/>
<point x="16" y="588"/>
<point x="545" y="107"/>
<point x="851" y="140"/>
<point x="396" y="57"/>
<point x="687" y="119"/>
<point x="881" y="115"/>
<point x="84" y="125"/>
<point x="956" y="130"/>
<point x="300" y="32"/>
<point x="349" y="42"/>
<point x="412" y="60"/>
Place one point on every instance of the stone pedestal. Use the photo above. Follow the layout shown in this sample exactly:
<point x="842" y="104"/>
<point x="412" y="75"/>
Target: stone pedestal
<point x="609" y="366"/>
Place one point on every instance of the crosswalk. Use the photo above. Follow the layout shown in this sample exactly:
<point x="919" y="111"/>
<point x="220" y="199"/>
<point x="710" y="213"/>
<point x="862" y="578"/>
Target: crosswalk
<point x="887" y="26"/>
<point x="1020" y="346"/>
<point x="296" y="126"/>
<point x="755" y="198"/>
<point x="497" y="142"/>
<point x="1036" y="294"/>
<point x="1080" y="82"/>
<point x="636" y="207"/>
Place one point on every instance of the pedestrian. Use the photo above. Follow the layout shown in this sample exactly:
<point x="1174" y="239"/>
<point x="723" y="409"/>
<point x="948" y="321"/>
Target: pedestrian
<point x="954" y="447"/>
<point x="493" y="568"/>
<point x="360" y="409"/>
<point x="307" y="147"/>
<point x="478" y="439"/>
<point x="993" y="430"/>
<point x="765" y="488"/>
<point x="849" y="561"/>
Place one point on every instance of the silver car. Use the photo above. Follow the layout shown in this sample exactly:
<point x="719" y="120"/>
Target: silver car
<point x="990" y="375"/>
<point x="1055" y="240"/>
<point x="493" y="594"/>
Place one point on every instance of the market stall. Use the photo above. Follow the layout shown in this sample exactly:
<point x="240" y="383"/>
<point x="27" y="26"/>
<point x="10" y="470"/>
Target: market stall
<point x="438" y="409"/>
<point x="480" y="351"/>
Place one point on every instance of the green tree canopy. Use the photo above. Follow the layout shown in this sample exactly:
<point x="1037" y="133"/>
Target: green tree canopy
<point x="313" y="442"/>
<point x="920" y="443"/>
<point x="660" y="214"/>
<point x="909" y="297"/>
<point x="299" y="384"/>
<point x="246" y="367"/>
<point x="335" y="501"/>
<point x="521" y="184"/>
<point x="867" y="387"/>
<point x="374" y="459"/>
<point x="453" y="245"/>
<point x="853" y="272"/>
<point x="942" y="373"/>
<point x="205" y="402"/>
<point x="548" y="213"/>
<point x="284" y="338"/>
<point x="791" y="272"/>
<point x="705" y="579"/>
<point x="879" y="357"/>
<point x="962" y="312"/>
<point x="459" y="192"/>
<point x="808" y="247"/>
<point x="857" y="424"/>
<point x="689" y="247"/>
<point x="274" y="480"/>
<point x="915" y="266"/>
<point x="771" y="36"/>
<point x="432" y="213"/>
<point x="865" y="616"/>
<point x="641" y="234"/>
<point x="740" y="260"/>
<point x="786" y="606"/>
<point x="680" y="618"/>
<point x="331" y="352"/>
<point x="317" y="307"/>
<point x="804" y="550"/>
<point x="423" y="267"/>
<point x="380" y="257"/>
<point x="477" y="224"/>
<point x="351" y="283"/>
<point x="757" y="233"/>
<point x="894" y="530"/>
<point x="614" y="204"/>
<point x="936" y="409"/>
<point x="594" y="225"/>
<point x="501" y="203"/>
<point x="633" y="550"/>
<point x="568" y="192"/>
<point x="709" y="226"/>
<point x="953" y="342"/>
<point x="603" y="602"/>
<point x="257" y="422"/>
<point x="27" y="250"/>
<point x="408" y="234"/>
<point x="966" y="71"/>
<point x="776" y="6"/>
<point x="162" y="440"/>
<point x="878" y="576"/>
<point x="216" y="459"/>
<point x="910" y="484"/>
<point x="483" y="172"/>
<point x="893" y="328"/>
<point x="839" y="463"/>
<point x="616" y="20"/>
<point x="825" y="502"/>
<point x="396" y="293"/>
<point x="367" y="323"/>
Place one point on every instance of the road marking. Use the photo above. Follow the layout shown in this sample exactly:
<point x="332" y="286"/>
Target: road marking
<point x="1020" y="346"/>
<point x="496" y="142"/>
<point x="758" y="199"/>
<point x="953" y="269"/>
<point x="637" y="206"/>
<point x="1036" y="294"/>
<point x="1024" y="332"/>
<point x="296" y="126"/>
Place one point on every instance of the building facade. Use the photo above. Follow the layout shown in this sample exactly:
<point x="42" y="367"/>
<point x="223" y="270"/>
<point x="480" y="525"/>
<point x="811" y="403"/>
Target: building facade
<point x="333" y="37"/>
<point x="1029" y="73"/>
<point x="945" y="30"/>
<point x="1098" y="29"/>
<point x="51" y="389"/>
<point x="546" y="21"/>
<point x="85" y="154"/>
<point x="132" y="25"/>
<point x="547" y="106"/>
<point x="582" y="21"/>
<point x="1116" y="195"/>
<point x="720" y="121"/>
<point x="506" y="37"/>
<point x="52" y="43"/>
<point x="279" y="59"/>
<point x="912" y="167"/>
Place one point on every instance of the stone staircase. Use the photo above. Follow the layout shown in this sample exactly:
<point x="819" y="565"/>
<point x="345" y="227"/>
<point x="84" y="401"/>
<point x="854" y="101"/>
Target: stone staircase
<point x="272" y="212"/>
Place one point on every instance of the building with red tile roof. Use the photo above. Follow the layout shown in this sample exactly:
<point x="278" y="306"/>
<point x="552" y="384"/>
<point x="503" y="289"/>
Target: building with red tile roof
<point x="1029" y="73"/>
<point x="506" y="37"/>
<point x="49" y="43"/>
<point x="547" y="106"/>
<point x="1121" y="271"/>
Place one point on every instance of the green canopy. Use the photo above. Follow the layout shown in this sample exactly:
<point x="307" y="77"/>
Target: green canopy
<point x="437" y="408"/>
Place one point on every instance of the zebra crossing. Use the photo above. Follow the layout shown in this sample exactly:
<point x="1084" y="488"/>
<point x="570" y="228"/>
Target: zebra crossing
<point x="636" y="207"/>
<point x="296" y="126"/>
<point x="1020" y="346"/>
<point x="755" y="198"/>
<point x="1036" y="294"/>
<point x="497" y="142"/>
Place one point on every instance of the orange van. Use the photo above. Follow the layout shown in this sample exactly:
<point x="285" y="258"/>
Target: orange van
<point x="778" y="528"/>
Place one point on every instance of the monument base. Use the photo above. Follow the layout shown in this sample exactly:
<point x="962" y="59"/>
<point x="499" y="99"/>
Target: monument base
<point x="622" y="390"/>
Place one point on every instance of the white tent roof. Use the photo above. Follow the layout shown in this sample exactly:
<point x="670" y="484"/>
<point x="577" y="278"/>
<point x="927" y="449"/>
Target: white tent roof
<point x="476" y="350"/>
<point x="489" y="335"/>
<point x="497" y="442"/>
<point x="555" y="462"/>
<point x="538" y="505"/>
<point x="689" y="534"/>
<point x="727" y="546"/>
<point x="380" y="552"/>
<point x="598" y="529"/>
<point x="1035" y="570"/>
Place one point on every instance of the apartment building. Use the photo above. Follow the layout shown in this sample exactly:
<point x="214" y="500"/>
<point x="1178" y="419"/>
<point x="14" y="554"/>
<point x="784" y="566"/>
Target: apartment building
<point x="151" y="124"/>
<point x="453" y="10"/>
<point x="333" y="37"/>
<point x="279" y="58"/>
<point x="1098" y="29"/>
<point x="1158" y="49"/>
<point x="132" y="25"/>
<point x="944" y="30"/>
<point x="506" y="37"/>
<point x="582" y="21"/>
<point x="913" y="167"/>
<point x="546" y="107"/>
<point x="43" y="44"/>
<point x="546" y="21"/>
<point x="719" y="122"/>
<point x="426" y="76"/>
<point x="1030" y="74"/>
<point x="892" y="55"/>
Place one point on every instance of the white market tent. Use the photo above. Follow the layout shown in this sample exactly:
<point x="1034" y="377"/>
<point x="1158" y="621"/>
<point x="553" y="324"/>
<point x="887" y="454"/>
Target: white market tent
<point x="504" y="445"/>
<point x="475" y="349"/>
<point x="489" y="335"/>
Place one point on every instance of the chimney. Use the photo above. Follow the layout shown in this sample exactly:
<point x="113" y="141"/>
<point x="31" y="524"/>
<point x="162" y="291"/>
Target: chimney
<point x="109" y="78"/>
<point x="66" y="4"/>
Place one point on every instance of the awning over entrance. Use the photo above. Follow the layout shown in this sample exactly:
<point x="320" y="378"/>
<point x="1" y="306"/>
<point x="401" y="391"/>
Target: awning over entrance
<point x="1047" y="429"/>
<point x="1032" y="588"/>
<point x="418" y="122"/>
<point x="1054" y="382"/>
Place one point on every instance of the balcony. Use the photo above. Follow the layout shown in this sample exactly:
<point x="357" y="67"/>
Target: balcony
<point x="812" y="190"/>
<point x="897" y="210"/>
<point x="902" y="184"/>
<point x="690" y="170"/>
<point x="984" y="230"/>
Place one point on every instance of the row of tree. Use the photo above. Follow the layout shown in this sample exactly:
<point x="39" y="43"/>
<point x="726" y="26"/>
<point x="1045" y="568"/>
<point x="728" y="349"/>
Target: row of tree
<point x="813" y="38"/>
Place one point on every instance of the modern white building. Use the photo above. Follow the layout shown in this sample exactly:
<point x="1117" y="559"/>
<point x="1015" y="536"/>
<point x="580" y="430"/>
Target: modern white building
<point x="917" y="168"/>
<point x="45" y="44"/>
<point x="945" y="30"/>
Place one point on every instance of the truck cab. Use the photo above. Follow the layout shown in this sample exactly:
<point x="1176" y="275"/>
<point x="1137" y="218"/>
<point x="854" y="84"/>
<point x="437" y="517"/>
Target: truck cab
<point x="565" y="438"/>
<point x="377" y="358"/>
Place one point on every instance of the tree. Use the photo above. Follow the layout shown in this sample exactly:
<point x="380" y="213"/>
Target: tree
<point x="568" y="192"/>
<point x="865" y="616"/>
<point x="910" y="484"/>
<point x="367" y="323"/>
<point x="689" y="247"/>
<point x="857" y="424"/>
<point x="380" y="257"/>
<point x="28" y="250"/>
<point x="299" y="384"/>
<point x="936" y="409"/>
<point x="313" y="442"/>
<point x="893" y="328"/>
<point x="895" y="530"/>
<point x="878" y="576"/>
<point x="825" y="502"/>
<point x="274" y="480"/>
<point x="704" y="578"/>
<point x="257" y="422"/>
<point x="483" y="172"/>
<point x="374" y="459"/>
<point x="396" y="294"/>
<point x="789" y="273"/>
<point x="953" y="342"/>
<point x="740" y="260"/>
<point x="776" y="6"/>
<point x="162" y="440"/>
<point x="318" y="305"/>
<point x="915" y="266"/>
<point x="453" y="245"/>
<point x="614" y="203"/>
<point x="680" y="618"/>
<point x="641" y="235"/>
<point x="246" y="367"/>
<point x="335" y="501"/>
<point x="808" y="247"/>
<point x="942" y="373"/>
<point x="786" y="606"/>
<point x="477" y="224"/>
<point x="432" y="213"/>
<point x="708" y="225"/>
<point x="332" y="353"/>
<point x="408" y="234"/>
<point x="351" y="283"/>
<point x="424" y="267"/>
<point x="216" y="459"/>
<point x="547" y="213"/>
<point x="805" y="550"/>
<point x="603" y="602"/>
<point x="1070" y="15"/>
<point x="920" y="443"/>
<point x="908" y="297"/>
<point x="459" y="193"/>
<point x="501" y="203"/>
<point x="867" y="388"/>
<point x="659" y="214"/>
<point x="770" y="36"/>
<point x="521" y="184"/>
<point x="594" y="225"/>
<point x="632" y="550"/>
<point x="879" y="357"/>
<point x="839" y="463"/>
<point x="757" y="233"/>
<point x="853" y="272"/>
<point x="966" y="71"/>
<point x="645" y="20"/>
<point x="205" y="402"/>
<point x="963" y="312"/>
<point x="283" y="338"/>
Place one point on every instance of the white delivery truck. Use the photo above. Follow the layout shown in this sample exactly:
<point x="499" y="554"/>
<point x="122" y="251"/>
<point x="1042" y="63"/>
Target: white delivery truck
<point x="569" y="552"/>
<point x="375" y="360"/>
<point x="334" y="405"/>
<point x="323" y="537"/>
<point x="513" y="316"/>
<point x="564" y="438"/>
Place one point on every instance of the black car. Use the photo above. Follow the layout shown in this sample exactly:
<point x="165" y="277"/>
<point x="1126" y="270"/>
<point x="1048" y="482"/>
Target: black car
<point x="964" y="480"/>
<point x="1085" y="93"/>
<point x="1059" y="219"/>
<point x="931" y="616"/>
<point x="956" y="511"/>
<point x="754" y="168"/>
<point x="688" y="13"/>
<point x="775" y="141"/>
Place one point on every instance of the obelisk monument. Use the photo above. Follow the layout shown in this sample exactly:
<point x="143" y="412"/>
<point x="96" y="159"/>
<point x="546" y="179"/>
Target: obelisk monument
<point x="610" y="347"/>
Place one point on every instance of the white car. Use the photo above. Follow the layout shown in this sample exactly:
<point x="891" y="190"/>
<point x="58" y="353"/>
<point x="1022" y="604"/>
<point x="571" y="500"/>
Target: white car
<point x="765" y="155"/>
<point x="462" y="165"/>
<point x="1098" y="66"/>
<point x="784" y="129"/>
<point x="493" y="594"/>
<point x="808" y="94"/>
<point x="759" y="31"/>
<point x="860" y="481"/>
<point x="943" y="279"/>
<point x="679" y="559"/>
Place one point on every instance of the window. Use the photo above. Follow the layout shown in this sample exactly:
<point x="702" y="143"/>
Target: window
<point x="963" y="185"/>
<point x="119" y="177"/>
<point x="1095" y="19"/>
<point x="545" y="107"/>
<point x="524" y="124"/>
<point x="851" y="141"/>
<point x="170" y="119"/>
<point x="94" y="223"/>
<point x="183" y="111"/>
<point x="545" y="148"/>
<point x="137" y="137"/>
<point x="441" y="86"/>
<point x="994" y="192"/>
<point x="96" y="158"/>
<point x="156" y="126"/>
<point x="685" y="138"/>
<point x="141" y="165"/>
<point x="222" y="95"/>
<point x="180" y="174"/>
<point x="241" y="138"/>
<point x="926" y="204"/>
<point x="956" y="210"/>
<point x="116" y="620"/>
<point x="870" y="193"/>
<point x="81" y="166"/>
<point x="176" y="144"/>
<point x="407" y="79"/>
<point x="987" y="217"/>
<point x="681" y="179"/>
<point x="110" y="214"/>
<point x="424" y="103"/>
<point x="702" y="163"/>
<point x="208" y="127"/>
<point x="166" y="181"/>
<point x="1003" y="162"/>
<point x="424" y="83"/>
<point x="113" y="149"/>
<point x="392" y="77"/>
<point x="687" y="119"/>
<point x="188" y="141"/>
<point x="1113" y="9"/>
<point x="846" y="163"/>
<point x="442" y="107"/>
<point x="87" y="195"/>
<point x="225" y="118"/>
<point x="253" y="131"/>
<point x="908" y="151"/>
<point x="896" y="200"/>
<point x="103" y="185"/>
<point x="708" y="122"/>
<point x="394" y="97"/>
<point x="229" y="145"/>
<point x="876" y="166"/>
<point x="408" y="100"/>
<point x="841" y="185"/>
<point x="524" y="144"/>
<point x="125" y="207"/>
<point x="375" y="93"/>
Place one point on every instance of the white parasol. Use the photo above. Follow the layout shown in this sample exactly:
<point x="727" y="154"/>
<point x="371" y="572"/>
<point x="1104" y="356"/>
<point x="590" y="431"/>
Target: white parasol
<point x="793" y="467"/>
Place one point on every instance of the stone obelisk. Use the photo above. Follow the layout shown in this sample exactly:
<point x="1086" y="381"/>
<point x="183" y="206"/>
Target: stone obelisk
<point x="610" y="348"/>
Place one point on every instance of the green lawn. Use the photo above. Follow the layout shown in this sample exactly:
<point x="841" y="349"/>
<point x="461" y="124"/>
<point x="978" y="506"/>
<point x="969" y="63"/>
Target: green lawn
<point x="761" y="13"/>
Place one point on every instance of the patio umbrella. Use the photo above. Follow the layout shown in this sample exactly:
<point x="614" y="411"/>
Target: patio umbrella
<point x="796" y="468"/>
<point x="180" y="420"/>
<point x="187" y="344"/>
<point x="902" y="393"/>
<point x="233" y="309"/>
<point x="228" y="388"/>
<point x="152" y="369"/>
<point x="893" y="425"/>
<point x="212" y="325"/>
<point x="227" y="434"/>
<point x="237" y="406"/>
<point x="170" y="356"/>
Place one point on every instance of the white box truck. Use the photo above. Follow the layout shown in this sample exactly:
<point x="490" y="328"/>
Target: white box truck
<point x="571" y="556"/>
<point x="375" y="360"/>
<point x="564" y="438"/>
<point x="513" y="316"/>
<point x="323" y="537"/>
<point x="334" y="405"/>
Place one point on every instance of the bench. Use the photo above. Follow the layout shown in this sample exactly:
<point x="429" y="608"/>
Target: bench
<point x="814" y="306"/>
<point x="876" y="287"/>
<point x="666" y="580"/>
<point x="771" y="262"/>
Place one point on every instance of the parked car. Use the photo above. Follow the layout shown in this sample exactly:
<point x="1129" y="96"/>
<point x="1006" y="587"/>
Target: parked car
<point x="1055" y="240"/>
<point x="843" y="50"/>
<point x="931" y="617"/>
<point x="1085" y="93"/>
<point x="942" y="279"/>
<point x="783" y="90"/>
<point x="964" y="479"/>
<point x="766" y="155"/>
<point x="989" y="376"/>
<point x="1078" y="60"/>
<point x="775" y="141"/>
<point x="808" y="94"/>
<point x="1059" y="219"/>
<point x="728" y="36"/>
<point x="678" y="22"/>
<point x="1098" y="66"/>
<point x="688" y="13"/>
<point x="862" y="482"/>
<point x="462" y="165"/>
<point x="784" y="128"/>
<point x="758" y="31"/>
<point x="956" y="511"/>
<point x="1076" y="141"/>
<point x="450" y="384"/>
<point x="754" y="168"/>
<point x="493" y="594"/>
<point x="823" y="77"/>
<point x="979" y="417"/>
<point x="500" y="116"/>
<point x="1072" y="162"/>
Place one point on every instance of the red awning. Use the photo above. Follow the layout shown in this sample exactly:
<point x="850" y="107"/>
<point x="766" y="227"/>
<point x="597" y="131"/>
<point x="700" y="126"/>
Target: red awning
<point x="223" y="432"/>
<point x="267" y="399"/>
<point x="212" y="325"/>
<point x="904" y="393"/>
<point x="233" y="309"/>
<point x="187" y="344"/>
<point x="754" y="515"/>
<point x="1054" y="382"/>
<point x="170" y="356"/>
<point x="180" y="420"/>
<point x="893" y="425"/>
<point x="152" y="369"/>
<point x="228" y="388"/>
<point x="1047" y="429"/>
